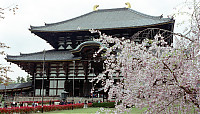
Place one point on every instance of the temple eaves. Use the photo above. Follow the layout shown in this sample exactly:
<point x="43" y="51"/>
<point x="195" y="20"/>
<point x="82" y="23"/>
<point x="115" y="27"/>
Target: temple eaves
<point x="103" y="19"/>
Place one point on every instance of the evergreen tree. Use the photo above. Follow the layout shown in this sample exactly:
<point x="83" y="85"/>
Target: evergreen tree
<point x="28" y="79"/>
<point x="22" y="80"/>
<point x="18" y="79"/>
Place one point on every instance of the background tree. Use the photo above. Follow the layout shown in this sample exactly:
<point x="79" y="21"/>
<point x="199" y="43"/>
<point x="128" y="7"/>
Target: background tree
<point x="3" y="69"/>
<point x="28" y="79"/>
<point x="18" y="79"/>
<point x="11" y="8"/>
<point x="23" y="80"/>
<point x="160" y="77"/>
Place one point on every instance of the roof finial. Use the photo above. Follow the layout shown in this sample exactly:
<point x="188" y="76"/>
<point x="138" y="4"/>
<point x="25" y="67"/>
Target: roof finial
<point x="95" y="7"/>
<point x="128" y="5"/>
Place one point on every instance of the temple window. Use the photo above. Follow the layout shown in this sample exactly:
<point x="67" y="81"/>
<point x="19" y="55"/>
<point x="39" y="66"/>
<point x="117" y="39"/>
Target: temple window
<point x="52" y="92"/>
<point x="53" y="83"/>
<point x="61" y="43"/>
<point x="61" y="83"/>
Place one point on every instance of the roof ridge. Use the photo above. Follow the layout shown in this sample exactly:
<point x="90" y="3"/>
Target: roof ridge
<point x="103" y="19"/>
<point x="51" y="24"/>
<point x="146" y="15"/>
<point x="99" y="10"/>
<point x="47" y="52"/>
<point x="24" y="54"/>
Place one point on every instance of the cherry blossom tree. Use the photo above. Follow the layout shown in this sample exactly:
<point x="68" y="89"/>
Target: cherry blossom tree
<point x="11" y="8"/>
<point x="3" y="69"/>
<point x="154" y="74"/>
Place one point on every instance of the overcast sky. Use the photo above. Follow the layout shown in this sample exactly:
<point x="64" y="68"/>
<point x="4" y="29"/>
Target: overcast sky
<point x="14" y="28"/>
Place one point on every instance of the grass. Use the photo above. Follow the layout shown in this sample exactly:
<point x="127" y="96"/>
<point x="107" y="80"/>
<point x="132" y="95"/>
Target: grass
<point x="90" y="111"/>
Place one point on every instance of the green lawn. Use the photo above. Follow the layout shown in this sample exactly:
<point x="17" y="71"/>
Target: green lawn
<point x="90" y="111"/>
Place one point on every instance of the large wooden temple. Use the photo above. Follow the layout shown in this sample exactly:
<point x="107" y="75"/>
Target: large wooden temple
<point x="70" y="65"/>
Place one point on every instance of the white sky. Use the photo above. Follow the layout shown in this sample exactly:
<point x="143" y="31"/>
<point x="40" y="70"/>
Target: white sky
<point x="14" y="28"/>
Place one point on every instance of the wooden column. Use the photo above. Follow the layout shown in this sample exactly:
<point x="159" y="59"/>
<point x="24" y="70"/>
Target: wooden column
<point x="81" y="88"/>
<point x="66" y="69"/>
<point x="47" y="82"/>
<point x="32" y="71"/>
<point x="57" y="75"/>
<point x="85" y="81"/>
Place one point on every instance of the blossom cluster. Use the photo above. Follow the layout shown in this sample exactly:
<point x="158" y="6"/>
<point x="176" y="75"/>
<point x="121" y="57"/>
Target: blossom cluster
<point x="152" y="74"/>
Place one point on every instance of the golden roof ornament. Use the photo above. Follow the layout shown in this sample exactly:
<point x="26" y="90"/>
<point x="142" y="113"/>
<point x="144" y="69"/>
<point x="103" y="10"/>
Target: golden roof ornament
<point x="128" y="5"/>
<point x="95" y="7"/>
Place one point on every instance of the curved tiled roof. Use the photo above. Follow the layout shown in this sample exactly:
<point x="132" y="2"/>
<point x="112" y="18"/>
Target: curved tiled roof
<point x="16" y="86"/>
<point x="104" y="19"/>
<point x="50" y="55"/>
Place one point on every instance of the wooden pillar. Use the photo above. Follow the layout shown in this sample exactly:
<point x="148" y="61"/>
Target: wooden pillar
<point x="81" y="88"/>
<point x="47" y="82"/>
<point x="57" y="75"/>
<point x="85" y="81"/>
<point x="21" y="92"/>
<point x="32" y="70"/>
<point x="66" y="70"/>
<point x="86" y="69"/>
<point x="33" y="84"/>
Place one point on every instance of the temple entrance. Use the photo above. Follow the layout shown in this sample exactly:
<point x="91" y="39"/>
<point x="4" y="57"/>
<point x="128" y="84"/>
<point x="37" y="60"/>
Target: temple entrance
<point x="76" y="92"/>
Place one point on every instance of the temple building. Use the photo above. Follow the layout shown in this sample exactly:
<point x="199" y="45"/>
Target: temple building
<point x="16" y="89"/>
<point x="70" y="65"/>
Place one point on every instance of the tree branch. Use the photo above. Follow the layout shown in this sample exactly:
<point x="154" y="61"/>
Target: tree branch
<point x="170" y="71"/>
<point x="187" y="90"/>
<point x="169" y="103"/>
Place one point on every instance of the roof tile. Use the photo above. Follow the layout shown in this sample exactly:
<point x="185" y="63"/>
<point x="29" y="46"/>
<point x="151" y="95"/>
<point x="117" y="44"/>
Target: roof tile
<point x="50" y="55"/>
<point x="104" y="19"/>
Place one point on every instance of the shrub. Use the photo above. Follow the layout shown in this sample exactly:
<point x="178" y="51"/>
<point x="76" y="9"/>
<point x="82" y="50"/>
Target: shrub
<point x="104" y="104"/>
<point x="46" y="108"/>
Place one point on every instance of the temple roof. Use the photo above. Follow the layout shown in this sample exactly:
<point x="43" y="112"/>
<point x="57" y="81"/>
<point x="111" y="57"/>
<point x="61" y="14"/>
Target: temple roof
<point x="16" y="86"/>
<point x="50" y="55"/>
<point x="104" y="19"/>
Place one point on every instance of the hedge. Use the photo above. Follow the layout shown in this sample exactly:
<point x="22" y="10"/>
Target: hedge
<point x="39" y="108"/>
<point x="39" y="102"/>
<point x="104" y="104"/>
